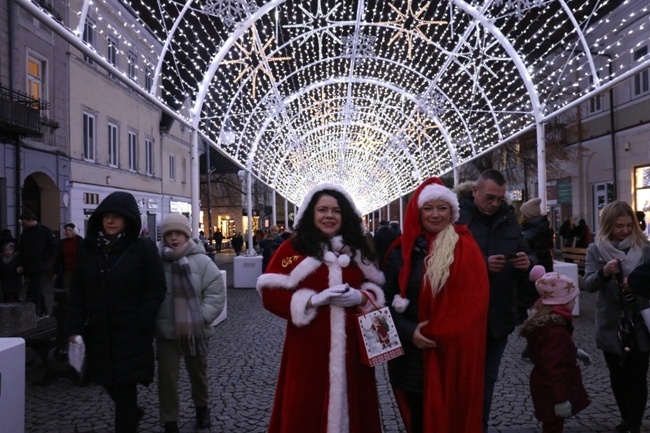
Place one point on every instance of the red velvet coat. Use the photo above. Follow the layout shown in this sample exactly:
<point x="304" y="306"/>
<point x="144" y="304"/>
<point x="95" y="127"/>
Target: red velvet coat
<point x="556" y="376"/>
<point x="322" y="385"/>
<point x="454" y="370"/>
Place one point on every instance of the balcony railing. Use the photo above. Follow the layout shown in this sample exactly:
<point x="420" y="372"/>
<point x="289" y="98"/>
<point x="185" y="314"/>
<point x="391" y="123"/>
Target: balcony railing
<point x="21" y="115"/>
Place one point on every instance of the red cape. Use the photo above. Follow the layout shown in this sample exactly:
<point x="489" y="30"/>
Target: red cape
<point x="454" y="371"/>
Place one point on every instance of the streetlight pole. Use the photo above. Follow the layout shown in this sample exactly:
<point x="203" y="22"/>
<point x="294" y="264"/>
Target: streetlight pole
<point x="208" y="172"/>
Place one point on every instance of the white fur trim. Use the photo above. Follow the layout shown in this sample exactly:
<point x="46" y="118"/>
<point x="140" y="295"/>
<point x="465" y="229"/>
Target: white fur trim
<point x="375" y="290"/>
<point x="320" y="187"/>
<point x="329" y="257"/>
<point x="435" y="191"/>
<point x="400" y="304"/>
<point x="288" y="281"/>
<point x="343" y="260"/>
<point x="300" y="314"/>
<point x="338" y="418"/>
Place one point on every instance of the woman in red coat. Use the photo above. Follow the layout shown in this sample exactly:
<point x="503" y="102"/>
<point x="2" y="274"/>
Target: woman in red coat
<point x="437" y="282"/>
<point x="319" y="282"/>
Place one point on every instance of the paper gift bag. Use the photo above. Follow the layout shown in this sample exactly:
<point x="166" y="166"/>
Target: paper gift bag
<point x="378" y="337"/>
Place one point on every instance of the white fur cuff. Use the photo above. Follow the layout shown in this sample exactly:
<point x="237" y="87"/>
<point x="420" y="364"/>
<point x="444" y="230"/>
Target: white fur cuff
<point x="300" y="314"/>
<point x="400" y="304"/>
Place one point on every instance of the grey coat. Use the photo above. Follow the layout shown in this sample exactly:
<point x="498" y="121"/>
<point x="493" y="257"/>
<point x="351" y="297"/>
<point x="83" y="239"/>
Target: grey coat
<point x="208" y="286"/>
<point x="607" y="305"/>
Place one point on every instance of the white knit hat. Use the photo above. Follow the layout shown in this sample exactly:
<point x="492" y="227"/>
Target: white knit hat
<point x="178" y="222"/>
<point x="321" y="187"/>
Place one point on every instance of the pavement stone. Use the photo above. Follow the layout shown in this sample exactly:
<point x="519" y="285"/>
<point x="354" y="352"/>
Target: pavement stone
<point x="243" y="366"/>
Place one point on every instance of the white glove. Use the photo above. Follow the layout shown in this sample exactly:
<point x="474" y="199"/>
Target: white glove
<point x="351" y="298"/>
<point x="584" y="357"/>
<point x="563" y="410"/>
<point x="326" y="296"/>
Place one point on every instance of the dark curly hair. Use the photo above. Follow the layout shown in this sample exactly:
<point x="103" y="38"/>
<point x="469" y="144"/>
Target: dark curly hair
<point x="309" y="239"/>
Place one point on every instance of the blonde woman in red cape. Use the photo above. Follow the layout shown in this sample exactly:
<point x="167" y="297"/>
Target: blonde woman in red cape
<point x="437" y="281"/>
<point x="318" y="282"/>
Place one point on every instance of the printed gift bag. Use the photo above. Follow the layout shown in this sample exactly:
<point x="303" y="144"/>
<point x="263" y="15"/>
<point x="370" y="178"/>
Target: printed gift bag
<point x="378" y="337"/>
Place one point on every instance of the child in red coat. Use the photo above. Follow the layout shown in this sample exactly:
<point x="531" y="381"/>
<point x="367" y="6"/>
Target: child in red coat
<point x="555" y="382"/>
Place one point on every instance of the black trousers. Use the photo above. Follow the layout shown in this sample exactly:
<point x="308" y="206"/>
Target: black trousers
<point x="127" y="413"/>
<point x="35" y="292"/>
<point x="629" y="384"/>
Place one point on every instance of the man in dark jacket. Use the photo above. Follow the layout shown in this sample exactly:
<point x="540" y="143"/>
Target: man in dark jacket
<point x="36" y="246"/>
<point x="494" y="225"/>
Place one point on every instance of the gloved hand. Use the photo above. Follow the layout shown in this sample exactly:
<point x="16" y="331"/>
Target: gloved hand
<point x="563" y="410"/>
<point x="351" y="298"/>
<point x="326" y="296"/>
<point x="584" y="357"/>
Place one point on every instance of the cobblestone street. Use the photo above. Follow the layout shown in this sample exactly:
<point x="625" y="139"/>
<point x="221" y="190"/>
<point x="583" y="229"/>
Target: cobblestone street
<point x="243" y="367"/>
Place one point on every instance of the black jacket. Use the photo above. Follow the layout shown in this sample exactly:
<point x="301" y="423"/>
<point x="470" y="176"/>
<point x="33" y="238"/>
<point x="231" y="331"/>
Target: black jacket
<point x="539" y="235"/>
<point x="115" y="295"/>
<point x="36" y="246"/>
<point x="384" y="237"/>
<point x="498" y="234"/>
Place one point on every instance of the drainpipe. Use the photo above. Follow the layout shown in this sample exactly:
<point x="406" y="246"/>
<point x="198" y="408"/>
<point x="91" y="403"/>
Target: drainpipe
<point x="17" y="162"/>
<point x="611" y="127"/>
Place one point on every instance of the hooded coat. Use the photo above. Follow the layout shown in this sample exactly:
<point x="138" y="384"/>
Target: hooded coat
<point x="115" y="295"/>
<point x="322" y="385"/>
<point x="556" y="376"/>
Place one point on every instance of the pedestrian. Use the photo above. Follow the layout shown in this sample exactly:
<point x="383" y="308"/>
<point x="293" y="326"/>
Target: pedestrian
<point x="65" y="263"/>
<point x="383" y="238"/>
<point x="115" y="295"/>
<point x="144" y="233"/>
<point x="318" y="282"/>
<point x="555" y="381"/>
<point x="36" y="246"/>
<point x="493" y="223"/>
<point x="11" y="278"/>
<point x="237" y="242"/>
<point x="581" y="235"/>
<point x="218" y="238"/>
<point x="620" y="247"/>
<point x="439" y="292"/>
<point x="536" y="229"/>
<point x="195" y="297"/>
<point x="269" y="244"/>
<point x="566" y="232"/>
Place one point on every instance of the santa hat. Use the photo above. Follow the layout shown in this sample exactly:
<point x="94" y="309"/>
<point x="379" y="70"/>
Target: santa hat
<point x="322" y="187"/>
<point x="553" y="288"/>
<point x="430" y="189"/>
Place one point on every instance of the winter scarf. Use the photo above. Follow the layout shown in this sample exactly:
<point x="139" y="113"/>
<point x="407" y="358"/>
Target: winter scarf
<point x="189" y="327"/>
<point x="616" y="250"/>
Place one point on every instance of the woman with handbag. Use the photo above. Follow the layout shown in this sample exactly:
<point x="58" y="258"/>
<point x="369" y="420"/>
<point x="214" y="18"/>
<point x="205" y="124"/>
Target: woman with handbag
<point x="195" y="297"/>
<point x="619" y="248"/>
<point x="115" y="294"/>
<point x="318" y="282"/>
<point x="437" y="282"/>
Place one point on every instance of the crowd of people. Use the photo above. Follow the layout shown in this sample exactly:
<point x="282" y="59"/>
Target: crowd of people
<point x="135" y="302"/>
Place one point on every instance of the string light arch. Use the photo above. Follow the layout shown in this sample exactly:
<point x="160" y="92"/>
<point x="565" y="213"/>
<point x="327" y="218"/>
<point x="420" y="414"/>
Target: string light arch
<point x="375" y="95"/>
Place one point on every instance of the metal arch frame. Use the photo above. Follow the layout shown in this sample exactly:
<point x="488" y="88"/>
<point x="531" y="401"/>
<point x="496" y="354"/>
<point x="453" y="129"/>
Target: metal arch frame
<point x="540" y="117"/>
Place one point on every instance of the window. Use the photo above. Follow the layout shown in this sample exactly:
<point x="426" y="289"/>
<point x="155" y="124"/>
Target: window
<point x="641" y="80"/>
<point x="148" y="78"/>
<point x="89" y="37"/>
<point x="133" y="151"/>
<point x="89" y="136"/>
<point x="113" y="144"/>
<point x="133" y="66"/>
<point x="34" y="77"/>
<point x="596" y="103"/>
<point x="148" y="148"/>
<point x="172" y="167"/>
<point x="111" y="55"/>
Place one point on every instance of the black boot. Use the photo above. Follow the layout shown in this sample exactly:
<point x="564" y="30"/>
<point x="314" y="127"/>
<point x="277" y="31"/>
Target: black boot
<point x="203" y="418"/>
<point x="171" y="427"/>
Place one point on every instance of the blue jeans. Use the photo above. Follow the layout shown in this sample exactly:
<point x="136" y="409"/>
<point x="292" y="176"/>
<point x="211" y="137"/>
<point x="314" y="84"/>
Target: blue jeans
<point x="493" y="354"/>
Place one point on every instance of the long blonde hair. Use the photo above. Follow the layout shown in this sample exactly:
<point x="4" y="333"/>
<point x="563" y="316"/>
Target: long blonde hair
<point x="440" y="258"/>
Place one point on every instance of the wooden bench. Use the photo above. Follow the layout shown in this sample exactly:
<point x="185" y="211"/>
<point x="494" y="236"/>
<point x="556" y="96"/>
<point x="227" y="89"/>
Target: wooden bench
<point x="575" y="255"/>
